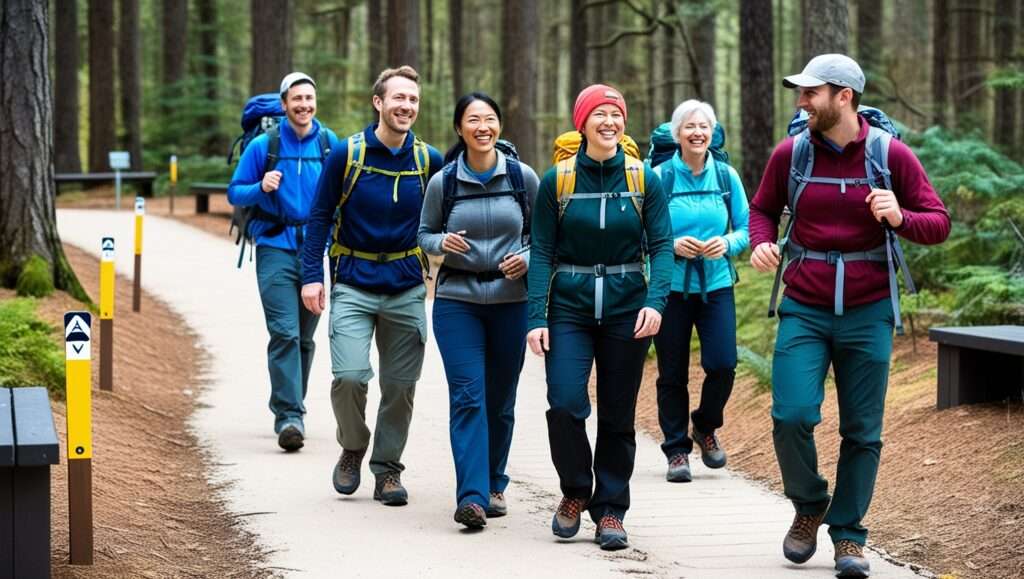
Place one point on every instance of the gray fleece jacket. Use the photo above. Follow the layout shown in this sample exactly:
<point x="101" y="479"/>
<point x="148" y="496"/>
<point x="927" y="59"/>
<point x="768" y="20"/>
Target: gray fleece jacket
<point x="493" y="226"/>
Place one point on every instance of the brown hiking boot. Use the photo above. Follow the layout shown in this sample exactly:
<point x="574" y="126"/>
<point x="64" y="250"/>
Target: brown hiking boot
<point x="346" y="471"/>
<point x="566" y="522"/>
<point x="802" y="539"/>
<point x="850" y="560"/>
<point x="389" y="490"/>
<point x="471" y="515"/>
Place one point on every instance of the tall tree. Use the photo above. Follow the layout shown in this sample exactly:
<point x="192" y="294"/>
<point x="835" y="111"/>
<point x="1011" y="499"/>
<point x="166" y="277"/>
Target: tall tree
<point x="757" y="105"/>
<point x="971" y="72"/>
<point x="670" y="85"/>
<point x="404" y="33"/>
<point x="212" y="140"/>
<point x="102" y="138"/>
<point x="65" y="95"/>
<point x="940" y="61"/>
<point x="174" y="20"/>
<point x="129" y="52"/>
<point x="825" y="27"/>
<point x="577" y="49"/>
<point x="1005" y="119"/>
<point x="271" y="43"/>
<point x="455" y="44"/>
<point x="520" y="24"/>
<point x="869" y="36"/>
<point x="28" y="223"/>
<point x="702" y="35"/>
<point x="377" y="37"/>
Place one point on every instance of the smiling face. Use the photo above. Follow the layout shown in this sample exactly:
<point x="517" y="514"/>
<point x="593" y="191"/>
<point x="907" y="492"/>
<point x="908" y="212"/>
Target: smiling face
<point x="823" y="108"/>
<point x="604" y="127"/>
<point x="300" y="106"/>
<point x="695" y="135"/>
<point x="479" y="127"/>
<point x="400" y="104"/>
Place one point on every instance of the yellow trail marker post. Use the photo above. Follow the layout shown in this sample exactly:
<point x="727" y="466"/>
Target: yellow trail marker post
<point x="140" y="211"/>
<point x="78" y="368"/>
<point x="107" y="314"/>
<point x="174" y="180"/>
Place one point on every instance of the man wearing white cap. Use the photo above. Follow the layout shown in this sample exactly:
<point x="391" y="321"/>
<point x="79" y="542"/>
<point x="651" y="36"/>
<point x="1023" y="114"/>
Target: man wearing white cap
<point x="278" y="174"/>
<point x="853" y="189"/>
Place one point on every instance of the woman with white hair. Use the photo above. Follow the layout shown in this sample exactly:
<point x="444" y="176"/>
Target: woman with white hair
<point x="708" y="210"/>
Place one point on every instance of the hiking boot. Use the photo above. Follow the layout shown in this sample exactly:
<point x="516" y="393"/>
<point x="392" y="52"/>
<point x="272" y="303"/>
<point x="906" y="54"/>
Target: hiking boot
<point x="290" y="438"/>
<point x="471" y="515"/>
<point x="498" y="506"/>
<point x="802" y="539"/>
<point x="566" y="522"/>
<point x="346" y="472"/>
<point x="850" y="560"/>
<point x="710" y="451"/>
<point x="610" y="534"/>
<point x="389" y="490"/>
<point x="679" y="468"/>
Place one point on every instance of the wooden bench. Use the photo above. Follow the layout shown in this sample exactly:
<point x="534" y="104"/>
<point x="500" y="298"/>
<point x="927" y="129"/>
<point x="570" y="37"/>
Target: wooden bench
<point x="28" y="446"/>
<point x="144" y="179"/>
<point x="979" y="364"/>
<point x="202" y="191"/>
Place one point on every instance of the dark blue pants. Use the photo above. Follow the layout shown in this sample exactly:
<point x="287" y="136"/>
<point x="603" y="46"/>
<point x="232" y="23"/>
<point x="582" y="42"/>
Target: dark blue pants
<point x="716" y="329"/>
<point x="482" y="347"/>
<point x="575" y="348"/>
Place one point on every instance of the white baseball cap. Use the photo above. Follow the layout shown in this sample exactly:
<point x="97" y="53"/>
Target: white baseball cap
<point x="293" y="78"/>
<point x="837" y="69"/>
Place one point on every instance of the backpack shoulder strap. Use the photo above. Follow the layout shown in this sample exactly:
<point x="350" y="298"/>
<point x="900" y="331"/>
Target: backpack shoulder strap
<point x="725" y="186"/>
<point x="325" y="145"/>
<point x="448" y="178"/>
<point x="565" y="183"/>
<point x="354" y="159"/>
<point x="635" y="183"/>
<point x="421" y="154"/>
<point x="273" y="149"/>
<point x="801" y="168"/>
<point x="514" y="170"/>
<point x="876" y="157"/>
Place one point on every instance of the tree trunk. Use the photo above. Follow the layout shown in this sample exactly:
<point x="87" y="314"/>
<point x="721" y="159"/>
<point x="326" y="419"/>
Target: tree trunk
<point x="129" y="52"/>
<point x="28" y="221"/>
<point x="971" y="72"/>
<point x="455" y="44"/>
<point x="869" y="37"/>
<point x="940" y="61"/>
<point x="520" y="23"/>
<point x="825" y="24"/>
<point x="342" y="37"/>
<point x="403" y="33"/>
<point x="377" y="37"/>
<point x="102" y="137"/>
<point x="428" y="45"/>
<point x="65" y="95"/>
<point x="175" y="46"/>
<point x="702" y="34"/>
<point x="271" y="43"/>
<point x="669" y="71"/>
<point x="757" y="107"/>
<point x="212" y="142"/>
<point x="1005" y="118"/>
<point x="577" y="50"/>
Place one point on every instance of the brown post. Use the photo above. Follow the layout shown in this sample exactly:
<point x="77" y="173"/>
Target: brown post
<point x="140" y="210"/>
<point x="78" y="366"/>
<point x="107" y="314"/>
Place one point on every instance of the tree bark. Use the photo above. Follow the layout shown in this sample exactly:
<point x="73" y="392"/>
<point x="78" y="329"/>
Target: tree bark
<point x="702" y="34"/>
<point x="520" y="23"/>
<point x="1005" y="120"/>
<point x="271" y="43"/>
<point x="825" y="27"/>
<point x="668" y="71"/>
<point x="67" y="158"/>
<point x="28" y="221"/>
<point x="455" y="44"/>
<point x="869" y="36"/>
<point x="404" y="33"/>
<point x="971" y="71"/>
<point x="940" y="61"/>
<point x="577" y="50"/>
<point x="376" y="36"/>
<point x="213" y="141"/>
<point x="102" y="137"/>
<point x="129" y="52"/>
<point x="757" y="102"/>
<point x="428" y="44"/>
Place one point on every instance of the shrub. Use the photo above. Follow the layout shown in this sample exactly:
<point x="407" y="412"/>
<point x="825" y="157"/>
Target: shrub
<point x="35" y="279"/>
<point x="28" y="354"/>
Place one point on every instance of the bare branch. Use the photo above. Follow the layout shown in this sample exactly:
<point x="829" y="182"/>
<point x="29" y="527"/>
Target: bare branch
<point x="624" y="34"/>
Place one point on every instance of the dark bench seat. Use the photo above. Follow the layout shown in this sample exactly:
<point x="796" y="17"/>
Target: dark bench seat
<point x="144" y="179"/>
<point x="979" y="364"/>
<point x="202" y="191"/>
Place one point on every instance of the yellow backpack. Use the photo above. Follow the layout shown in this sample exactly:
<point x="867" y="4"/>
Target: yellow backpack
<point x="564" y="158"/>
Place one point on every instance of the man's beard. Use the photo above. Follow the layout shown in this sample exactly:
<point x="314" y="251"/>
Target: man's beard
<point x="825" y="118"/>
<point x="392" y="126"/>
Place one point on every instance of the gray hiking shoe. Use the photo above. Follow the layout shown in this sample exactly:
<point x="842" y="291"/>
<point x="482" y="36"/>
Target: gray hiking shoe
<point x="497" y="507"/>
<point x="566" y="522"/>
<point x="290" y="438"/>
<point x="850" y="560"/>
<point x="389" y="490"/>
<point x="710" y="451"/>
<point x="802" y="539"/>
<point x="346" y="471"/>
<point x="471" y="515"/>
<point x="610" y="534"/>
<point x="679" y="469"/>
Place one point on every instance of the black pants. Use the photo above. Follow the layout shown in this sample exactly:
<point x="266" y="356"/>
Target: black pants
<point x="620" y="365"/>
<point x="716" y="329"/>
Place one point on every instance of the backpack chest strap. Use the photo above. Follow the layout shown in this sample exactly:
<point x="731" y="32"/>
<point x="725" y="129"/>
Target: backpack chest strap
<point x="604" y="197"/>
<point x="838" y="259"/>
<point x="396" y="174"/>
<point x="842" y="182"/>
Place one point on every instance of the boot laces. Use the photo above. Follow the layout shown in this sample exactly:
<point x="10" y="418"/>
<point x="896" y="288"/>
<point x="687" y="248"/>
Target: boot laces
<point x="848" y="548"/>
<point x="805" y="527"/>
<point x="611" y="522"/>
<point x="570" y="508"/>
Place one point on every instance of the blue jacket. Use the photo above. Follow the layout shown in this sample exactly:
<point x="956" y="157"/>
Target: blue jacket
<point x="373" y="220"/>
<point x="294" y="198"/>
<point x="704" y="217"/>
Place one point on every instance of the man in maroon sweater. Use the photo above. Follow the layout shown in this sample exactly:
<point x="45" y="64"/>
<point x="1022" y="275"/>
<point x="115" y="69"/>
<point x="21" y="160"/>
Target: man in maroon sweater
<point x="839" y="231"/>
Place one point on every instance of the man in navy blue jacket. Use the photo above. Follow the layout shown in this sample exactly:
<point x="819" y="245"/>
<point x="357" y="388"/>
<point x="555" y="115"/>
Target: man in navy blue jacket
<point x="376" y="181"/>
<point x="284" y="194"/>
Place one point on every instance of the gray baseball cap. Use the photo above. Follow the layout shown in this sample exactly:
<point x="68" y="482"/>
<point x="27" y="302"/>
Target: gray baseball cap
<point x="837" y="69"/>
<point x="292" y="78"/>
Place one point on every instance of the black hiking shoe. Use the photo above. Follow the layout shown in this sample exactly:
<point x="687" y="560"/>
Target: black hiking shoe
<point x="711" y="452"/>
<point x="610" y="534"/>
<point x="679" y="469"/>
<point x="471" y="515"/>
<point x="290" y="438"/>
<point x="389" y="490"/>
<point x="850" y="560"/>
<point x="802" y="539"/>
<point x="346" y="472"/>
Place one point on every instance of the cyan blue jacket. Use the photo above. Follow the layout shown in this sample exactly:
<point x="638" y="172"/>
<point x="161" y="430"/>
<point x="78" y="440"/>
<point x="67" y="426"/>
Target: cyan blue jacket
<point x="704" y="217"/>
<point x="373" y="220"/>
<point x="300" y="166"/>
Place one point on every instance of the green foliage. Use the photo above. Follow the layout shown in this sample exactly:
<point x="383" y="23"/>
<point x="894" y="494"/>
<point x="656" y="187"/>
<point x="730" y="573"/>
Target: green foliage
<point x="35" y="279"/>
<point x="760" y="367"/>
<point x="28" y="354"/>
<point x="1007" y="78"/>
<point x="754" y="329"/>
<point x="986" y="295"/>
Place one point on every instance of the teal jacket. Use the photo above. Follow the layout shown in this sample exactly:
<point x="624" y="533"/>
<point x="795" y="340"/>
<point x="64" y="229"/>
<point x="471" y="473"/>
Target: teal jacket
<point x="704" y="216"/>
<point x="578" y="239"/>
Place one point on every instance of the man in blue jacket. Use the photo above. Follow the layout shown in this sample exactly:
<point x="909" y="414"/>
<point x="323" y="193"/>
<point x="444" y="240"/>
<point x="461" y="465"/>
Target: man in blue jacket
<point x="280" y="179"/>
<point x="372" y="189"/>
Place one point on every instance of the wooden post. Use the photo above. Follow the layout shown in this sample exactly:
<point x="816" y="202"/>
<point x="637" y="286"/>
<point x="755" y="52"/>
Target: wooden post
<point x="78" y="368"/>
<point x="174" y="180"/>
<point x="140" y="211"/>
<point x="107" y="314"/>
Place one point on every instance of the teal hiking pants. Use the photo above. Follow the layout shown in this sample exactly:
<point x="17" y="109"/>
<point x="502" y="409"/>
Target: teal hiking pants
<point x="858" y="345"/>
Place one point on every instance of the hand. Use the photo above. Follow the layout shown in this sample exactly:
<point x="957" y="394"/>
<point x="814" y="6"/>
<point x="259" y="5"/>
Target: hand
<point x="648" y="322"/>
<point x="313" y="297"/>
<point x="513" y="266"/>
<point x="454" y="243"/>
<point x="765" y="257"/>
<point x="688" y="247"/>
<point x="537" y="339"/>
<point x="885" y="207"/>
<point x="715" y="247"/>
<point x="271" y="181"/>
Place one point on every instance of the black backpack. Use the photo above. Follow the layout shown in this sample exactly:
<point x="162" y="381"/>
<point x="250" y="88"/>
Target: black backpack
<point x="515" y="175"/>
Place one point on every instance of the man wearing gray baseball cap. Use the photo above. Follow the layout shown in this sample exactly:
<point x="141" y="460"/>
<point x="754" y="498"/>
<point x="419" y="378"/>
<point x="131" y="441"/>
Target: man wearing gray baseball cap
<point x="852" y="189"/>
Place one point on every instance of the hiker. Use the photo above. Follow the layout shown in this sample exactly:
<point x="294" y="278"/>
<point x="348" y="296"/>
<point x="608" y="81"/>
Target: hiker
<point x="477" y="215"/>
<point x="278" y="174"/>
<point x="589" y="302"/>
<point x="372" y="192"/>
<point x="708" y="210"/>
<point x="851" y="188"/>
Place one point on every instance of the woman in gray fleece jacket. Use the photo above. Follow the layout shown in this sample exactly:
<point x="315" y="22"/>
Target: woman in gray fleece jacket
<point x="476" y="214"/>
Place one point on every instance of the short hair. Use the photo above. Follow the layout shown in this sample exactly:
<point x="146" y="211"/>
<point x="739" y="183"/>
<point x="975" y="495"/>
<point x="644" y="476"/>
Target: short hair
<point x="687" y="108"/>
<point x="404" y="71"/>
<point x="834" y="89"/>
